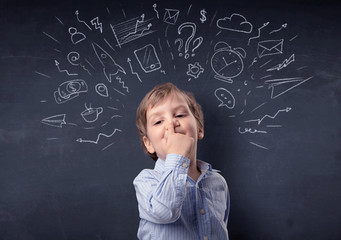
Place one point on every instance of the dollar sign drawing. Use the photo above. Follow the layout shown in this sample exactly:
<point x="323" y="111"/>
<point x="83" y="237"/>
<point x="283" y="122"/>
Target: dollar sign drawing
<point x="72" y="87"/>
<point x="203" y="17"/>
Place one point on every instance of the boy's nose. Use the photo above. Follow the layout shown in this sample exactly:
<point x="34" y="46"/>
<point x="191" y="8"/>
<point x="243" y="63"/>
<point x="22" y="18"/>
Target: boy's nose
<point x="175" y="122"/>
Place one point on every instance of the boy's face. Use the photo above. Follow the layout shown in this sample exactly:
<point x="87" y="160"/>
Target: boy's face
<point x="173" y="109"/>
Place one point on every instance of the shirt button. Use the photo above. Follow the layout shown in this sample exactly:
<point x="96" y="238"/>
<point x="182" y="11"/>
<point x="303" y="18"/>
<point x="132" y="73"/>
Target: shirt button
<point x="205" y="238"/>
<point x="185" y="165"/>
<point x="202" y="211"/>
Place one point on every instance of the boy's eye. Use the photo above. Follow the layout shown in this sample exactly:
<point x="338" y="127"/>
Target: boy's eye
<point x="180" y="115"/>
<point x="157" y="122"/>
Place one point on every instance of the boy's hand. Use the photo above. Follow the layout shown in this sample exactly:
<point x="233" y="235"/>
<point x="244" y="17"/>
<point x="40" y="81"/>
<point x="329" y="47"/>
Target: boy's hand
<point x="177" y="143"/>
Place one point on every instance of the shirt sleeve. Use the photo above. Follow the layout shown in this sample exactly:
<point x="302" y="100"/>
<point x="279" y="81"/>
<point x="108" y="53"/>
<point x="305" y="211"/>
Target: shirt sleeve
<point x="160" y="197"/>
<point x="228" y="204"/>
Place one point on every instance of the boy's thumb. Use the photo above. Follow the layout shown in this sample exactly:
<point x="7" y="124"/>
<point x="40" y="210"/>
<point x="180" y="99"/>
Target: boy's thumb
<point x="166" y="133"/>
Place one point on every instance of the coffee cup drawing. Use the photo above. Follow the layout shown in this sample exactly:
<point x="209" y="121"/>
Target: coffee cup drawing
<point x="91" y="114"/>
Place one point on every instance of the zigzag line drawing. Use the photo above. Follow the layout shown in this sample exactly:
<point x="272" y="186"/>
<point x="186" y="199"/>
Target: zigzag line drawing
<point x="122" y="83"/>
<point x="64" y="70"/>
<point x="269" y="116"/>
<point x="132" y="71"/>
<point x="259" y="29"/>
<point x="98" y="137"/>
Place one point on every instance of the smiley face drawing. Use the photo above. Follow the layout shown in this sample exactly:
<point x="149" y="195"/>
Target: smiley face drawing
<point x="227" y="63"/>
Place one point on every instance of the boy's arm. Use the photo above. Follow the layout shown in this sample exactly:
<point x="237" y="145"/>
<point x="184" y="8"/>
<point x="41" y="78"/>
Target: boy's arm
<point x="160" y="198"/>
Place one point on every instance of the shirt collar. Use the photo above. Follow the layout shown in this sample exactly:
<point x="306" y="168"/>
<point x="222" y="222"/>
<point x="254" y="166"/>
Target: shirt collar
<point x="204" y="166"/>
<point x="159" y="165"/>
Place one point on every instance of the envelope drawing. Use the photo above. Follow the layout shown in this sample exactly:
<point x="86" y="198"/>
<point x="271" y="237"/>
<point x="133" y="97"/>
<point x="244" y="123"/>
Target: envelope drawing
<point x="270" y="47"/>
<point x="171" y="16"/>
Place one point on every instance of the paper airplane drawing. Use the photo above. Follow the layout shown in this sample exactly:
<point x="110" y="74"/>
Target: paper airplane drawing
<point x="281" y="86"/>
<point x="55" y="121"/>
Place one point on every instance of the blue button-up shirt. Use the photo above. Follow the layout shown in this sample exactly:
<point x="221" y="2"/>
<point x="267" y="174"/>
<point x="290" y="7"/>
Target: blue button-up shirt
<point x="173" y="206"/>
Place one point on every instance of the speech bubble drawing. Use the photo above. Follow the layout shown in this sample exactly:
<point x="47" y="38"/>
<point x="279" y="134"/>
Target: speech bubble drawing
<point x="225" y="97"/>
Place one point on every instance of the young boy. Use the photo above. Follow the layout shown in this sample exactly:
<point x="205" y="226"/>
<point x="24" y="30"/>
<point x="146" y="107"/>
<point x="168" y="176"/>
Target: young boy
<point x="182" y="197"/>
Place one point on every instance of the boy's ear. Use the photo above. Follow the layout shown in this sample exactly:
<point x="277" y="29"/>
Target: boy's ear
<point x="148" y="145"/>
<point x="200" y="134"/>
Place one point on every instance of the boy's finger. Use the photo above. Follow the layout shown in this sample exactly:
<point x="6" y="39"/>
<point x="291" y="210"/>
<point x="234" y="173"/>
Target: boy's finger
<point x="166" y="133"/>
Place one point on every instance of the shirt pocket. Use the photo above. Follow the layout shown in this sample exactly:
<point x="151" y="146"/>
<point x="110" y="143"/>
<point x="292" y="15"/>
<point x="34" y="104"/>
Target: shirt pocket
<point x="219" y="202"/>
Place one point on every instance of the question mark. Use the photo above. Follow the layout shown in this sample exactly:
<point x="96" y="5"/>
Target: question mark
<point x="180" y="45"/>
<point x="199" y="40"/>
<point x="190" y="25"/>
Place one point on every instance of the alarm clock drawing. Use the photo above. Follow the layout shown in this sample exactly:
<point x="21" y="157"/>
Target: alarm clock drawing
<point x="227" y="63"/>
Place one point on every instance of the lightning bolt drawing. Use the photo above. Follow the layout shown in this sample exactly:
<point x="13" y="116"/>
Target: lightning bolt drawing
<point x="284" y="64"/>
<point x="98" y="25"/>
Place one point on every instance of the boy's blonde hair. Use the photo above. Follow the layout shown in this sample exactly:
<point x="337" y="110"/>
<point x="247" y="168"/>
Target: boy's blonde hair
<point x="156" y="96"/>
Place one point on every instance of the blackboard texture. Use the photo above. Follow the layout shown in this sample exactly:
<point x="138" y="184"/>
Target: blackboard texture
<point x="267" y="74"/>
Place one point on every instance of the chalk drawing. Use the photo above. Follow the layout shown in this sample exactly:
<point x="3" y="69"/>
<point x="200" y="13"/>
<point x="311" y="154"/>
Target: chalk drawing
<point x="147" y="58"/>
<point x="64" y="70"/>
<point x="225" y="97"/>
<point x="91" y="114"/>
<point x="269" y="48"/>
<point x="260" y="120"/>
<point x="280" y="86"/>
<point x="155" y="10"/>
<point x="102" y="90"/>
<point x="55" y="121"/>
<point x="69" y="90"/>
<point x="277" y="30"/>
<point x="132" y="71"/>
<point x="132" y="29"/>
<point x="236" y="22"/>
<point x="259" y="33"/>
<point x="81" y="140"/>
<point x="203" y="15"/>
<point x="110" y="67"/>
<point x="282" y="65"/>
<point x="196" y="42"/>
<point x="194" y="70"/>
<point x="171" y="16"/>
<point x="76" y="36"/>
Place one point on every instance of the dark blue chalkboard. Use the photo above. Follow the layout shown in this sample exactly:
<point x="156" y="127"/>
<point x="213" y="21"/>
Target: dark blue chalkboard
<point x="72" y="73"/>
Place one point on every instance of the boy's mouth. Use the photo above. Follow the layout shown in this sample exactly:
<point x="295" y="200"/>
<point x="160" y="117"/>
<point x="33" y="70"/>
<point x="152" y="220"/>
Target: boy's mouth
<point x="180" y="132"/>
